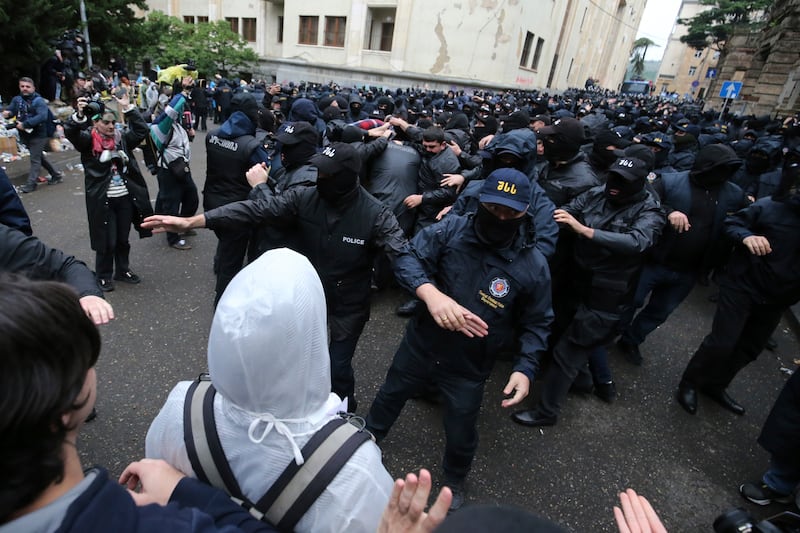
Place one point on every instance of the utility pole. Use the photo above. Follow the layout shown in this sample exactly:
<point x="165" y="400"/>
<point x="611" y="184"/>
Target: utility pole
<point x="85" y="25"/>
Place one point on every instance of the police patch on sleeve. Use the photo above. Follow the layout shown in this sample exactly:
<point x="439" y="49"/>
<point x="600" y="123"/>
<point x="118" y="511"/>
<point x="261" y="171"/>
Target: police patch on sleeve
<point x="499" y="287"/>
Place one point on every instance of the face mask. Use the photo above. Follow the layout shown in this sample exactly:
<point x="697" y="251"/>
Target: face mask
<point x="714" y="177"/>
<point x="757" y="163"/>
<point x="620" y="191"/>
<point x="494" y="232"/>
<point x="557" y="149"/>
<point x="334" y="188"/>
<point x="602" y="157"/>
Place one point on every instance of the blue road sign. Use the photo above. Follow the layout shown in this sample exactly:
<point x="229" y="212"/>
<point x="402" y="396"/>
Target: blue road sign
<point x="730" y="89"/>
<point x="711" y="73"/>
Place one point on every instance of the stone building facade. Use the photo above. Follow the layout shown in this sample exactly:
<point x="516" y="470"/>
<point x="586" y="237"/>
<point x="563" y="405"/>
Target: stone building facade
<point x="528" y="44"/>
<point x="767" y="63"/>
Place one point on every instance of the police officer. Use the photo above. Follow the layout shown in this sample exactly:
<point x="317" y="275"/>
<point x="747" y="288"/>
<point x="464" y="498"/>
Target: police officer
<point x="337" y="225"/>
<point x="486" y="289"/>
<point x="230" y="151"/>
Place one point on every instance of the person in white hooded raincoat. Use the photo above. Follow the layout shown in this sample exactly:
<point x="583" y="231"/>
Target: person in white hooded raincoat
<point x="268" y="360"/>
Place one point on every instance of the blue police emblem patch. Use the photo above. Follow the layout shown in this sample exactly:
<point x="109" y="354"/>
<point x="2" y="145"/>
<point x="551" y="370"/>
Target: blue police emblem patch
<point x="499" y="287"/>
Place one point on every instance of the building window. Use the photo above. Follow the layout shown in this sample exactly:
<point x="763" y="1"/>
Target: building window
<point x="692" y="71"/>
<point x="526" y="50"/>
<point x="698" y="54"/>
<point x="202" y="19"/>
<point x="334" y="31"/>
<point x="537" y="55"/>
<point x="309" y="27"/>
<point x="380" y="29"/>
<point x="234" y="22"/>
<point x="188" y="19"/>
<point x="280" y="29"/>
<point x="249" y="29"/>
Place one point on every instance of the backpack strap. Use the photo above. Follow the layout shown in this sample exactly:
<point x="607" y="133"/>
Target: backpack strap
<point x="299" y="486"/>
<point x="202" y="441"/>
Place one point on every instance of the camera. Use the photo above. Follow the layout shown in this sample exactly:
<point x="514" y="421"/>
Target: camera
<point x="740" y="521"/>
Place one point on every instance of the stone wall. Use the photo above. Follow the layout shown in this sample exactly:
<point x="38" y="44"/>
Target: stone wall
<point x="767" y="63"/>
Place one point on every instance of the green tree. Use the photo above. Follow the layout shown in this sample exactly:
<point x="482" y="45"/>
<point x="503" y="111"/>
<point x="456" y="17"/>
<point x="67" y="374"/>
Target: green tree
<point x="638" y="52"/>
<point x="31" y="28"/>
<point x="714" y="26"/>
<point x="28" y="31"/>
<point x="212" y="45"/>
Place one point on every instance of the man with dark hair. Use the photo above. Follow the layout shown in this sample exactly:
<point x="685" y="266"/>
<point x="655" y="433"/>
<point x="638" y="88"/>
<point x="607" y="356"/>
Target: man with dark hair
<point x="48" y="386"/>
<point x="230" y="151"/>
<point x="486" y="289"/>
<point x="337" y="224"/>
<point x="31" y="113"/>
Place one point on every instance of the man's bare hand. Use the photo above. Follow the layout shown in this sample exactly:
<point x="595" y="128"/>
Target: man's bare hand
<point x="164" y="223"/>
<point x="519" y="385"/>
<point x="637" y="515"/>
<point x="258" y="174"/>
<point x="679" y="221"/>
<point x="96" y="308"/>
<point x="757" y="245"/>
<point x="412" y="201"/>
<point x="453" y="180"/>
<point x="443" y="212"/>
<point x="449" y="314"/>
<point x="405" y="512"/>
<point x="157" y="481"/>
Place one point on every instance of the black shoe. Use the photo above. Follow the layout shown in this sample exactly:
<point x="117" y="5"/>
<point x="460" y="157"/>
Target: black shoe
<point x="531" y="417"/>
<point x="722" y="398"/>
<point x="128" y="277"/>
<point x="28" y="187"/>
<point x="106" y="285"/>
<point x="459" y="494"/>
<point x="407" y="309"/>
<point x="630" y="351"/>
<point x="687" y="397"/>
<point x="761" y="494"/>
<point x="58" y="178"/>
<point x="606" y="391"/>
<point x="92" y="415"/>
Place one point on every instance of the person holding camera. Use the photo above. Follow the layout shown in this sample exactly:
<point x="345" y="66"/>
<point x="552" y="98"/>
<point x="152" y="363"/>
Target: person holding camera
<point x="116" y="193"/>
<point x="172" y="133"/>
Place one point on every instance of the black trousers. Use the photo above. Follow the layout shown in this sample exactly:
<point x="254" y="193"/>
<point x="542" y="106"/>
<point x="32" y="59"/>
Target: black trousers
<point x="118" y="247"/>
<point x="232" y="248"/>
<point x="176" y="197"/>
<point x="742" y="325"/>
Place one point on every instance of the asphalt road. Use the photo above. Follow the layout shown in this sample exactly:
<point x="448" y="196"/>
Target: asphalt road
<point x="688" y="466"/>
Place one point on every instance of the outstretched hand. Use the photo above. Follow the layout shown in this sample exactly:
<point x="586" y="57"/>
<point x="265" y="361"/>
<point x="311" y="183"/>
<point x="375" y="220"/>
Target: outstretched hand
<point x="96" y="308"/>
<point x="449" y="314"/>
<point x="637" y="515"/>
<point x="405" y="512"/>
<point x="163" y="223"/>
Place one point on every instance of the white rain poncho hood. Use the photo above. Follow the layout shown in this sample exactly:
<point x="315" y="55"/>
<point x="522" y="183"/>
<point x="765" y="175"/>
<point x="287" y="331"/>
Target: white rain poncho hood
<point x="267" y="350"/>
<point x="268" y="358"/>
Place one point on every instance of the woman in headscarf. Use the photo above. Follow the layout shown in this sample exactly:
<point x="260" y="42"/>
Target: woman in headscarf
<point x="268" y="359"/>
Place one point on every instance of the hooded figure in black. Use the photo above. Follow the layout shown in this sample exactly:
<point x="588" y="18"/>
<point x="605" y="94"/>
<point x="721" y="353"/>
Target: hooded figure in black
<point x="696" y="203"/>
<point x="759" y="283"/>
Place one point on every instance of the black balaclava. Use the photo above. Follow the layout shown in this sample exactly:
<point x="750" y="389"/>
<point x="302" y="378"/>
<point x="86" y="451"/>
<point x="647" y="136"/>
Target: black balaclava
<point x="489" y="128"/>
<point x="621" y="190"/>
<point x="714" y="165"/>
<point x="758" y="162"/>
<point x="558" y="148"/>
<point x="789" y="188"/>
<point x="294" y="155"/>
<point x="493" y="231"/>
<point x="335" y="188"/>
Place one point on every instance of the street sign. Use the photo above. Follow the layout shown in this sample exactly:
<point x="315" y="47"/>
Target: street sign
<point x="711" y="73"/>
<point x="730" y="89"/>
<point x="695" y="83"/>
